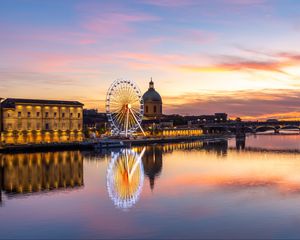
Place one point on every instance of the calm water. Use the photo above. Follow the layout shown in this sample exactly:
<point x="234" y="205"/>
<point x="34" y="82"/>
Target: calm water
<point x="244" y="189"/>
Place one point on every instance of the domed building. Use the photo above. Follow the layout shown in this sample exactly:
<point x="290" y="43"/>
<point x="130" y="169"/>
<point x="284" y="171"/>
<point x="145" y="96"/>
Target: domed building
<point x="152" y="103"/>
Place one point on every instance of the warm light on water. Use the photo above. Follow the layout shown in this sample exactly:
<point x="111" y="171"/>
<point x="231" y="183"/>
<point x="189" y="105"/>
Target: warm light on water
<point x="191" y="190"/>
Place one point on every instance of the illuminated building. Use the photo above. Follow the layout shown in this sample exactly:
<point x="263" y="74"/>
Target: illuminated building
<point x="40" y="121"/>
<point x="176" y="132"/>
<point x="152" y="103"/>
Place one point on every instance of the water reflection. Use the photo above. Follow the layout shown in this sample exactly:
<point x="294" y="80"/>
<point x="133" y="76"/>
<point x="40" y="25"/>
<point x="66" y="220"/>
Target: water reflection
<point x="240" y="142"/>
<point x="152" y="161"/>
<point x="226" y="189"/>
<point x="125" y="177"/>
<point x="266" y="142"/>
<point x="40" y="172"/>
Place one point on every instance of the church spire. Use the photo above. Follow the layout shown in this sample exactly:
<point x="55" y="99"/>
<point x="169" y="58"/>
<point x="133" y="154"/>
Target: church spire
<point x="151" y="84"/>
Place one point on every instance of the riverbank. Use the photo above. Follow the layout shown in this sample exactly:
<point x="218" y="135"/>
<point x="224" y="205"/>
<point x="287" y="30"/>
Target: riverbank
<point x="108" y="143"/>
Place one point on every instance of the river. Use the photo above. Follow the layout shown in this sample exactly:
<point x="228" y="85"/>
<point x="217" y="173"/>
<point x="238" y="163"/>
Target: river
<point x="248" y="188"/>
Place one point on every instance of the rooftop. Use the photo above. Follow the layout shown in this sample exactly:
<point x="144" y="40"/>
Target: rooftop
<point x="151" y="95"/>
<point x="11" y="102"/>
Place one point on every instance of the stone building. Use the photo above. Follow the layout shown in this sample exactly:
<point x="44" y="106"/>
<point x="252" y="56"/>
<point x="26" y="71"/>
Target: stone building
<point x="152" y="103"/>
<point x="40" y="121"/>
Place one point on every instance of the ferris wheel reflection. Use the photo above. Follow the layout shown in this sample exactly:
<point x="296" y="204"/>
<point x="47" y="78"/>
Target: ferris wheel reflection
<point x="125" y="177"/>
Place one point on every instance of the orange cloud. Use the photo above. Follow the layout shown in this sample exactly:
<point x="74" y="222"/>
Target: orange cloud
<point x="273" y="66"/>
<point x="274" y="62"/>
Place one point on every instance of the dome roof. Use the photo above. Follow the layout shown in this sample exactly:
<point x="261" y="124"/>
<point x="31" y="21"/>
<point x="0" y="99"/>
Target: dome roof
<point x="151" y="95"/>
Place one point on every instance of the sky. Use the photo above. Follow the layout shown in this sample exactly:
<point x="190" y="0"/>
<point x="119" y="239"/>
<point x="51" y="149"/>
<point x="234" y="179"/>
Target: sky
<point x="241" y="57"/>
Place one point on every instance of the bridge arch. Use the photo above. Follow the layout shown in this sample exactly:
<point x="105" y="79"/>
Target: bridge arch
<point x="290" y="127"/>
<point x="265" y="128"/>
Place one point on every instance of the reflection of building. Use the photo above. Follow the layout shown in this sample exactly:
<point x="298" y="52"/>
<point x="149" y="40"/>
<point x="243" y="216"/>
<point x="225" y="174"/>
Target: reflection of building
<point x="152" y="162"/>
<point x="152" y="103"/>
<point x="168" y="148"/>
<point x="240" y="142"/>
<point x="220" y="147"/>
<point x="35" y="172"/>
<point x="36" y="121"/>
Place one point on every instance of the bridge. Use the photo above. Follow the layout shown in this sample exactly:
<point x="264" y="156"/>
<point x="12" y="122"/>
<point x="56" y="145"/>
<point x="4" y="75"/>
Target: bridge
<point x="251" y="127"/>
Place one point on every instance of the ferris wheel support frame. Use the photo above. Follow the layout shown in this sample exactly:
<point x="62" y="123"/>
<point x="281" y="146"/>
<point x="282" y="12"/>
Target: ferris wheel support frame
<point x="137" y="122"/>
<point x="128" y="111"/>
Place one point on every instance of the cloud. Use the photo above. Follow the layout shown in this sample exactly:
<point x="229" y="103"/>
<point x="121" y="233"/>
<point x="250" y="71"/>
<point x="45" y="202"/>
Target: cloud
<point x="275" y="62"/>
<point x="180" y="3"/>
<point x="170" y="3"/>
<point x="244" y="2"/>
<point x="114" y="20"/>
<point x="251" y="105"/>
<point x="115" y="23"/>
<point x="236" y="66"/>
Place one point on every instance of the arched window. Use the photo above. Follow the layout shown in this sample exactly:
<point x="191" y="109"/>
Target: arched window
<point x="154" y="109"/>
<point x="146" y="109"/>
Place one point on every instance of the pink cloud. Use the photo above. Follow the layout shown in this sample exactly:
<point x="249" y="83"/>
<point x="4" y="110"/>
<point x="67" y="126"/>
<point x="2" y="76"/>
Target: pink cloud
<point x="244" y="2"/>
<point x="115" y="23"/>
<point x="58" y="35"/>
<point x="198" y="36"/>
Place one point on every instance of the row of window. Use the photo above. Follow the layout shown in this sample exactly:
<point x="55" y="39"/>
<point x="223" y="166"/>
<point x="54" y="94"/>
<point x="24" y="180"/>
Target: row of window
<point x="47" y="126"/>
<point x="154" y="109"/>
<point x="46" y="115"/>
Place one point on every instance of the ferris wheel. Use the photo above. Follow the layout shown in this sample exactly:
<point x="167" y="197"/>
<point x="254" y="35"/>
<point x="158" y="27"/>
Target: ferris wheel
<point x="124" y="107"/>
<point x="125" y="177"/>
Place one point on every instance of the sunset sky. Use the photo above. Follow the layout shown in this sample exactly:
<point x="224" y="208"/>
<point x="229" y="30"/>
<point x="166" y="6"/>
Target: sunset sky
<point x="236" y="56"/>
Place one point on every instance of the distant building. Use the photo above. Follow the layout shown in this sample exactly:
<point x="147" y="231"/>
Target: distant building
<point x="152" y="103"/>
<point x="94" y="122"/>
<point x="272" y="120"/>
<point x="35" y="121"/>
<point x="216" y="118"/>
<point x="93" y="119"/>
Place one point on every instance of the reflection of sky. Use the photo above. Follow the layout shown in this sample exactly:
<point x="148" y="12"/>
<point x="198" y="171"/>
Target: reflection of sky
<point x="238" y="56"/>
<point x="198" y="193"/>
<point x="271" y="142"/>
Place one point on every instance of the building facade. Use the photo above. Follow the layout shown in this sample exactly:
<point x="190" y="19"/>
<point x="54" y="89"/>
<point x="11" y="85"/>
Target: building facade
<point x="176" y="132"/>
<point x="152" y="103"/>
<point x="40" y="121"/>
